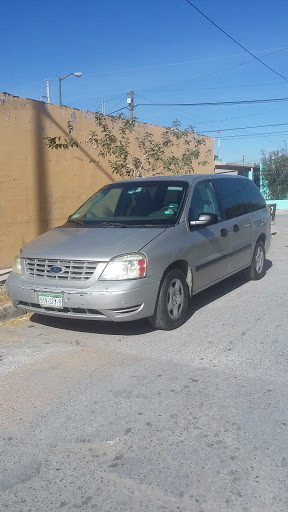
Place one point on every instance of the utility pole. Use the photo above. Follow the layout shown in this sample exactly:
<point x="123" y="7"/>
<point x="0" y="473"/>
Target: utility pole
<point x="219" y="144"/>
<point x="104" y="107"/>
<point x="48" y="91"/>
<point x="60" y="92"/>
<point x="130" y="102"/>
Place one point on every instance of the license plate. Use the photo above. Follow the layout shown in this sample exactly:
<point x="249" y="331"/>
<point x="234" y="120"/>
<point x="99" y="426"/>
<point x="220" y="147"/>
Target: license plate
<point x="50" y="300"/>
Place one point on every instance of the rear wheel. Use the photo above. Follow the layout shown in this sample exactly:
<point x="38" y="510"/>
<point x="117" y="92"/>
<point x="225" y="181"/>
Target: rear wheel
<point x="257" y="269"/>
<point x="172" y="304"/>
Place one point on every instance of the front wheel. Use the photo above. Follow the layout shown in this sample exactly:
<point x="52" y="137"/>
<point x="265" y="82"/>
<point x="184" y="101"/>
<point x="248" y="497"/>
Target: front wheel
<point x="172" y="303"/>
<point x="257" y="269"/>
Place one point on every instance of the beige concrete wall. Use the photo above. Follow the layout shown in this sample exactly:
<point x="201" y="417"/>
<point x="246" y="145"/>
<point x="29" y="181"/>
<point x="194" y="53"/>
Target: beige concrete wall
<point x="40" y="187"/>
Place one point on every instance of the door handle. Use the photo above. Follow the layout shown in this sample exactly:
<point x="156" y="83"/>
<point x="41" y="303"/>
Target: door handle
<point x="236" y="228"/>
<point x="223" y="232"/>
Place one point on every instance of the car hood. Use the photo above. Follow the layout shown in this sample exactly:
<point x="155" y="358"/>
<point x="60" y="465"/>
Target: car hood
<point x="99" y="244"/>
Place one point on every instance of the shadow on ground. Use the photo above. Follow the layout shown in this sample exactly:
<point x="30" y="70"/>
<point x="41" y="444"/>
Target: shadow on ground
<point x="142" y="326"/>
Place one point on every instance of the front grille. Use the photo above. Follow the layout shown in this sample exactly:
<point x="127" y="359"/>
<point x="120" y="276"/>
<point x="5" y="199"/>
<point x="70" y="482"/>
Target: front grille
<point x="74" y="270"/>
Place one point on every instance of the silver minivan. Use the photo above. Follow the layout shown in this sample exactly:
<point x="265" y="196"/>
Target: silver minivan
<point x="141" y="248"/>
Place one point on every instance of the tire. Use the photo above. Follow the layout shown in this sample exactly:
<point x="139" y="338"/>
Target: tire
<point x="257" y="269"/>
<point x="172" y="304"/>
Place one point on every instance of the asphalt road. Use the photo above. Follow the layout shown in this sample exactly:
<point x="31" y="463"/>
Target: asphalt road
<point x="120" y="418"/>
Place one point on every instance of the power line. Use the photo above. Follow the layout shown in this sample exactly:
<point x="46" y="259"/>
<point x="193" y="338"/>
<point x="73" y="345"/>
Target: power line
<point x="114" y="111"/>
<point x="238" y="86"/>
<point x="245" y="127"/>
<point x="181" y="62"/>
<point x="216" y="103"/>
<point x="205" y="75"/>
<point x="234" y="40"/>
<point x="247" y="136"/>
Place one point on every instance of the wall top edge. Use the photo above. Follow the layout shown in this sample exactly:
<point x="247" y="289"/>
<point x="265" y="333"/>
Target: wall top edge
<point x="5" y="97"/>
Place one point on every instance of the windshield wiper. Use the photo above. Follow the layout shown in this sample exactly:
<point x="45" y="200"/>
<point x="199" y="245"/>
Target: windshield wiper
<point x="106" y="224"/>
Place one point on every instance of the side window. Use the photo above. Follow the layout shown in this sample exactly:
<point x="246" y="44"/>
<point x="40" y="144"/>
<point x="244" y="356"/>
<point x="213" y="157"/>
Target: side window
<point x="203" y="200"/>
<point x="230" y="196"/>
<point x="235" y="196"/>
<point x="255" y="200"/>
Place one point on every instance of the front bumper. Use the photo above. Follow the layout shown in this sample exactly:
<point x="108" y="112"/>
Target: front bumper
<point x="115" y="301"/>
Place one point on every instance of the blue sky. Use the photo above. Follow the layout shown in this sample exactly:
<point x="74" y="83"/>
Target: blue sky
<point x="166" y="52"/>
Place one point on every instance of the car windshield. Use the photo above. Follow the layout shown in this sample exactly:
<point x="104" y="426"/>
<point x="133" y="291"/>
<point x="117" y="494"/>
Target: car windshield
<point x="149" y="203"/>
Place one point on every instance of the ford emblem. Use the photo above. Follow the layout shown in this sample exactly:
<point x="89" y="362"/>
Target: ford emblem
<point x="56" y="269"/>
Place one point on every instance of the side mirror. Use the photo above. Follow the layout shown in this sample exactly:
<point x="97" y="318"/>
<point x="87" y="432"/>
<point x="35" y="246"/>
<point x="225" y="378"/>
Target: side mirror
<point x="204" y="219"/>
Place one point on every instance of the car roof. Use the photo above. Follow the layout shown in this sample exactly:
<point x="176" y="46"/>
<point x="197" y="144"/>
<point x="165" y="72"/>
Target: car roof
<point x="184" y="177"/>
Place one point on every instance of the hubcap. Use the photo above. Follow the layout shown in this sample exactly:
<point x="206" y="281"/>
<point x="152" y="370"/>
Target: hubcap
<point x="175" y="299"/>
<point x="259" y="260"/>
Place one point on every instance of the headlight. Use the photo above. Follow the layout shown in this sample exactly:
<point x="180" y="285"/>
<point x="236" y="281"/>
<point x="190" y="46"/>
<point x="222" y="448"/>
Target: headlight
<point x="127" y="266"/>
<point x="17" y="264"/>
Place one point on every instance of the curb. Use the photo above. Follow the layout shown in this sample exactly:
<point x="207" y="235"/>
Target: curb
<point x="4" y="273"/>
<point x="8" y="311"/>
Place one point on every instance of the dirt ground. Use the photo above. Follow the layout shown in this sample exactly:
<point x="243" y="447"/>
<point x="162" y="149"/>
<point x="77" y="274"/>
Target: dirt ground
<point x="4" y="299"/>
<point x="13" y="322"/>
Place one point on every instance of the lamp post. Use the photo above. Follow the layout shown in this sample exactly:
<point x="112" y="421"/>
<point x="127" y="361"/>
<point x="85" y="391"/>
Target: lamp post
<point x="283" y="140"/>
<point x="78" y="75"/>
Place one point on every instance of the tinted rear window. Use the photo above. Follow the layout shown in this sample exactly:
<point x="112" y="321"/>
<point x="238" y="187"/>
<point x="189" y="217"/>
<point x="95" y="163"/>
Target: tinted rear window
<point x="238" y="196"/>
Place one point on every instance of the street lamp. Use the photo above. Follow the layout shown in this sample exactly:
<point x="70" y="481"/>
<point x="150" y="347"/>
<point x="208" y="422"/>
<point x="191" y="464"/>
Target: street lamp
<point x="60" y="80"/>
<point x="283" y="140"/>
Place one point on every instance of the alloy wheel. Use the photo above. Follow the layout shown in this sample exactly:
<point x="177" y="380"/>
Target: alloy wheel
<point x="175" y="299"/>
